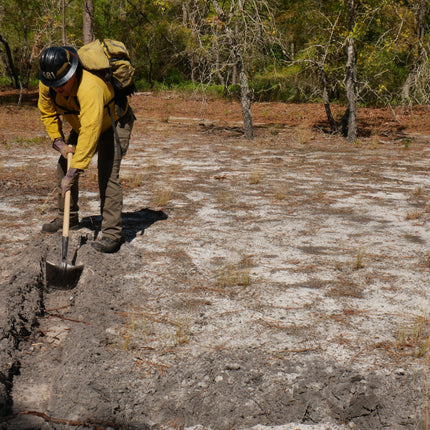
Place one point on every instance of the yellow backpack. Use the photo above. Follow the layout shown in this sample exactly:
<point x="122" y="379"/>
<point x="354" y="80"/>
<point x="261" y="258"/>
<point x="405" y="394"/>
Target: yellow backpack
<point x="110" y="60"/>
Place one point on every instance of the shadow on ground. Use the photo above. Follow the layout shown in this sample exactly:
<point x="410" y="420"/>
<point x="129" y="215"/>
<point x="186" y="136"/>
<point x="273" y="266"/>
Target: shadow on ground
<point x="134" y="223"/>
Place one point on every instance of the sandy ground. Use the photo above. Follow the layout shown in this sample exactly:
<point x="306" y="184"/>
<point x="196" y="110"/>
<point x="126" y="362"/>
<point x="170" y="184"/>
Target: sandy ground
<point x="274" y="283"/>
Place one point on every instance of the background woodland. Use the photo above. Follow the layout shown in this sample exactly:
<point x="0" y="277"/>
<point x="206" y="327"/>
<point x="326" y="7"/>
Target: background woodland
<point x="356" y="53"/>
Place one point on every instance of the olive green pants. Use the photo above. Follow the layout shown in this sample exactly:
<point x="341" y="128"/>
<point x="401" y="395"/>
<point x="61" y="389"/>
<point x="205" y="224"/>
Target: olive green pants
<point x="108" y="165"/>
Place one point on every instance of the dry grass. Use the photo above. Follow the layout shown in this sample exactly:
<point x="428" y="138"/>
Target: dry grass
<point x="255" y="176"/>
<point x="318" y="194"/>
<point x="374" y="141"/>
<point x="414" y="336"/>
<point x="346" y="289"/>
<point x="281" y="192"/>
<point x="225" y="197"/>
<point x="235" y="274"/>
<point x="133" y="180"/>
<point x="418" y="191"/>
<point x="231" y="275"/>
<point x="304" y="135"/>
<point x="161" y="197"/>
<point x="152" y="163"/>
<point x="182" y="331"/>
<point x="414" y="215"/>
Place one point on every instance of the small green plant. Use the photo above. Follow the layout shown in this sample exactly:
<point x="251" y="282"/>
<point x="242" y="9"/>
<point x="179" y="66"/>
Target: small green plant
<point x="406" y="143"/>
<point x="4" y="142"/>
<point x="38" y="140"/>
<point x="27" y="142"/>
<point x="358" y="263"/>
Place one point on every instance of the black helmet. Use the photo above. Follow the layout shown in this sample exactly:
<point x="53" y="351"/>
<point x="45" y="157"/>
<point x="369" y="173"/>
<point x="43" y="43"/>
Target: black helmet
<point x="57" y="65"/>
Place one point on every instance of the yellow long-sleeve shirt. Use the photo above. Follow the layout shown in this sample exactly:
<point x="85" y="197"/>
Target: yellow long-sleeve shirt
<point x="85" y="110"/>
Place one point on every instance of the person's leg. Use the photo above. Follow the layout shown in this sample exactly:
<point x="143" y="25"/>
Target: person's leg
<point x="109" y="161"/>
<point x="111" y="197"/>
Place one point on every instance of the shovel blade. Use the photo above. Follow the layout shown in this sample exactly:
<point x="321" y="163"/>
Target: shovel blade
<point x="64" y="276"/>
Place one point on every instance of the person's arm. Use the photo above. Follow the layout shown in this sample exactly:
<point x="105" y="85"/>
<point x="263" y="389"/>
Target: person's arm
<point x="50" y="117"/>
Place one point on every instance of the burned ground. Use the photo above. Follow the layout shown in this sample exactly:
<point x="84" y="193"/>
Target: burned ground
<point x="276" y="282"/>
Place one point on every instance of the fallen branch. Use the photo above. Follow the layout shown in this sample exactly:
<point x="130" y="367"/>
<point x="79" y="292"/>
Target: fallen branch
<point x="64" y="318"/>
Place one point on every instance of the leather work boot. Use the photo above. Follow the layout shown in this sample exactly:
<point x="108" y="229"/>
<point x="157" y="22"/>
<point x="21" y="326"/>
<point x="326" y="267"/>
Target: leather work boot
<point x="106" y="245"/>
<point x="57" y="224"/>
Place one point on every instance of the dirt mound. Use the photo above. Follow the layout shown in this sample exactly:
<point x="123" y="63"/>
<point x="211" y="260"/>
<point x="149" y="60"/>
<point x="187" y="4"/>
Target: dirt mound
<point x="65" y="360"/>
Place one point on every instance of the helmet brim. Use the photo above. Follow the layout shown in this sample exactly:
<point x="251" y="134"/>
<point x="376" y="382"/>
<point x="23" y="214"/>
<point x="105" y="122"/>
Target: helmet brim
<point x="60" y="82"/>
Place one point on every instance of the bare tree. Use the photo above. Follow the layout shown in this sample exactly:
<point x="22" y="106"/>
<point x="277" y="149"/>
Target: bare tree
<point x="88" y="21"/>
<point x="417" y="81"/>
<point x="351" y="75"/>
<point x="320" y="64"/>
<point x="10" y="65"/>
<point x="316" y="59"/>
<point x="231" y="33"/>
<point x="322" y="59"/>
<point x="226" y="40"/>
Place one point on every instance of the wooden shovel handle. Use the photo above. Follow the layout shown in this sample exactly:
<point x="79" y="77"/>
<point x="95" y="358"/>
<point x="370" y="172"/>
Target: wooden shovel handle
<point x="66" y="210"/>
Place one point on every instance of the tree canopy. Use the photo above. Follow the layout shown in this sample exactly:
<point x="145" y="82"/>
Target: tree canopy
<point x="287" y="50"/>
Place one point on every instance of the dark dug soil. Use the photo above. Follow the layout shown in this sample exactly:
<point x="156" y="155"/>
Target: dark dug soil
<point x="279" y="283"/>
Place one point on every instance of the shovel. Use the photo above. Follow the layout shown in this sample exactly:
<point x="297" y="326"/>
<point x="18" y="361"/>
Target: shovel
<point x="64" y="276"/>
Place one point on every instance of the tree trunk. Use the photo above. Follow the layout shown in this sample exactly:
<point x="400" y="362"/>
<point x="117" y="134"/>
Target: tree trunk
<point x="24" y="68"/>
<point x="246" y="105"/>
<point x="245" y="100"/>
<point x="10" y="66"/>
<point x="420" y="14"/>
<point x="234" y="68"/>
<point x="63" y="18"/>
<point x="218" y="69"/>
<point x="351" y="75"/>
<point x="326" y="101"/>
<point x="88" y="22"/>
<point x="411" y="80"/>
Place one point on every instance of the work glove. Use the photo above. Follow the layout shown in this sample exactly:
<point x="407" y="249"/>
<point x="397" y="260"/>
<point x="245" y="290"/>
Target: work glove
<point x="62" y="148"/>
<point x="71" y="177"/>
